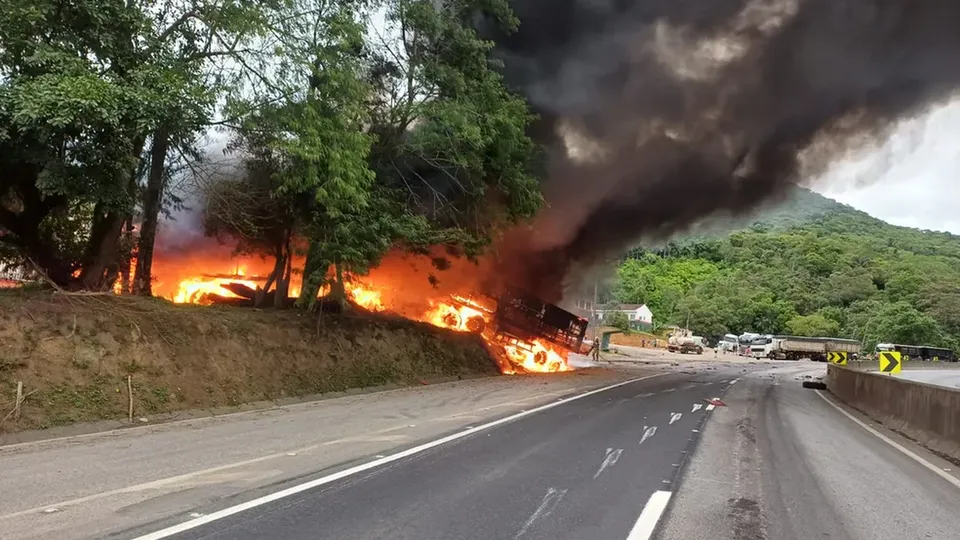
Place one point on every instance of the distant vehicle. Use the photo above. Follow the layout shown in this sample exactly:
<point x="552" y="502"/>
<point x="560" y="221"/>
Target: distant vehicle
<point x="683" y="341"/>
<point x="762" y="347"/>
<point x="918" y="352"/>
<point x="728" y="343"/>
<point x="744" y="342"/>
<point x="814" y="348"/>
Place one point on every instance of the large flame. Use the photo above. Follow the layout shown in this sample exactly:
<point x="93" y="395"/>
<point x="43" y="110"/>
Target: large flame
<point x="399" y="285"/>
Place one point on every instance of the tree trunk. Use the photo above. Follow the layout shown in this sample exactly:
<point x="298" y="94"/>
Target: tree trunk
<point x="128" y="256"/>
<point x="102" y="248"/>
<point x="283" y="286"/>
<point x="275" y="275"/>
<point x="338" y="291"/>
<point x="314" y="271"/>
<point x="152" y="201"/>
<point x="102" y="258"/>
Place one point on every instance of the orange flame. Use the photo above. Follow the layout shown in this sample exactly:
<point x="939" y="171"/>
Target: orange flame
<point x="195" y="277"/>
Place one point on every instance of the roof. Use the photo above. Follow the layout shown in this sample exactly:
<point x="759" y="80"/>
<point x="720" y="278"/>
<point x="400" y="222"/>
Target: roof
<point x="630" y="307"/>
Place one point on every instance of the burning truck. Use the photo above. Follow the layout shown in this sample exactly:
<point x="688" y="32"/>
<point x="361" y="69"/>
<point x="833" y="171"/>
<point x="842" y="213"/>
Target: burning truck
<point x="524" y="332"/>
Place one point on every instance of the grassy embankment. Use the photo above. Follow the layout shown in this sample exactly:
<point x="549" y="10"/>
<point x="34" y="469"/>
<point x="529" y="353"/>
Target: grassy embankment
<point x="74" y="354"/>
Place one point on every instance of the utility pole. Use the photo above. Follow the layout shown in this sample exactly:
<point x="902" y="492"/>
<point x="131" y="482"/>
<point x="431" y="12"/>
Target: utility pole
<point x="596" y="318"/>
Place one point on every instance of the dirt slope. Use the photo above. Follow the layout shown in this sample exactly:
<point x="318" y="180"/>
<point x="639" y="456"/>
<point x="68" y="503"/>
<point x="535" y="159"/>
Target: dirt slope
<point x="73" y="355"/>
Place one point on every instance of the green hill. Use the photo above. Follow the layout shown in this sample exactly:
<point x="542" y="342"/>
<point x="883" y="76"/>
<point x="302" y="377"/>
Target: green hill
<point x="811" y="266"/>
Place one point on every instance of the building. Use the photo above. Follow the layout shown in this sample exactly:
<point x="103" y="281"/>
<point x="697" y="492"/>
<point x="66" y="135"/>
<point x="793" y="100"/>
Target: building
<point x="639" y="315"/>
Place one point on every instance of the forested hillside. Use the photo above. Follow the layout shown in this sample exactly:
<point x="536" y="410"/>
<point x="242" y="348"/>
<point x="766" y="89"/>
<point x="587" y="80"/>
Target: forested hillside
<point x="843" y="273"/>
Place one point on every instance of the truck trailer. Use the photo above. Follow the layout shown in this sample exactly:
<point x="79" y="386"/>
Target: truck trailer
<point x="796" y="347"/>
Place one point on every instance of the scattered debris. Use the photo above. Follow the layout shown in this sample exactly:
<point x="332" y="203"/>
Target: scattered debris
<point x="815" y="385"/>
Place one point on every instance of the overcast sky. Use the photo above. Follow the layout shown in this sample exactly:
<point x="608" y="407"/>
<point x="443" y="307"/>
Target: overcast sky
<point x="912" y="180"/>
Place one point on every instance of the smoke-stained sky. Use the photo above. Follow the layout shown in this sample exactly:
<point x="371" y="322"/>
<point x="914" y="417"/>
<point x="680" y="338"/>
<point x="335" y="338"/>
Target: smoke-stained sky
<point x="673" y="109"/>
<point x="912" y="179"/>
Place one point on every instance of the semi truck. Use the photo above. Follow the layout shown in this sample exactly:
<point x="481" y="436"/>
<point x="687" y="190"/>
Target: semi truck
<point x="796" y="347"/>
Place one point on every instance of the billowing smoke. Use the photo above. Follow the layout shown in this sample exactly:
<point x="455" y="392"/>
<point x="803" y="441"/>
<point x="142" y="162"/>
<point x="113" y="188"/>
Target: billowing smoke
<point x="662" y="112"/>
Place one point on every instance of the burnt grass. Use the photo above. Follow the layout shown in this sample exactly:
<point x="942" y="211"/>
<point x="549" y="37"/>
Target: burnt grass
<point x="74" y="353"/>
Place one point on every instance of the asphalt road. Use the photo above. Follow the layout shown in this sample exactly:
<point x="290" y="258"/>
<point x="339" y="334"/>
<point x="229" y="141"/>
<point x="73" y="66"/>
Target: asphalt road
<point x="948" y="378"/>
<point x="780" y="462"/>
<point x="590" y="457"/>
<point x="582" y="469"/>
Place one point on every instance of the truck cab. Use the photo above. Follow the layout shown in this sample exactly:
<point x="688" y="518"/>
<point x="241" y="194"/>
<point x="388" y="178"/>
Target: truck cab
<point x="744" y="342"/>
<point x="762" y="347"/>
<point x="728" y="343"/>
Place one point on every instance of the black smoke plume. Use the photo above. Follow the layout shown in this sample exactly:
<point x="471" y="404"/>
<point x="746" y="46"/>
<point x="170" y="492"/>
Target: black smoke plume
<point x="679" y="109"/>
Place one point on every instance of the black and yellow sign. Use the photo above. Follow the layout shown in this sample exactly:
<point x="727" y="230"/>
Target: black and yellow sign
<point x="837" y="358"/>
<point x="890" y="362"/>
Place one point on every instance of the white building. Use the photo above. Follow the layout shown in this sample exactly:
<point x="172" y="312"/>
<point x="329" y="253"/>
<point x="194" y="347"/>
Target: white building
<point x="637" y="313"/>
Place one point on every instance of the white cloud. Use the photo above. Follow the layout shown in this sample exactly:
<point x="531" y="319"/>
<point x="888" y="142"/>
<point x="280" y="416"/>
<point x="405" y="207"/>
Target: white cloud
<point x="912" y="179"/>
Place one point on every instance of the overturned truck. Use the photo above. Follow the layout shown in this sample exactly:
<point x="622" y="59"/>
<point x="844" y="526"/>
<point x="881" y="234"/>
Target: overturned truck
<point x="527" y="327"/>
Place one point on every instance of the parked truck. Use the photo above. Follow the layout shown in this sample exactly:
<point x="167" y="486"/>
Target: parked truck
<point x="683" y="341"/>
<point x="796" y="347"/>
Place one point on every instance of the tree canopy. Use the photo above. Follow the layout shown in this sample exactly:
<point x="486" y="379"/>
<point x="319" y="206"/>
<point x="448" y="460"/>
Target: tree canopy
<point x="355" y="126"/>
<point x="842" y="274"/>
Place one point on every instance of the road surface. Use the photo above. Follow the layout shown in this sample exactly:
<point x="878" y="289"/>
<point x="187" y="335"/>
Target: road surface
<point x="627" y="454"/>
<point x="948" y="378"/>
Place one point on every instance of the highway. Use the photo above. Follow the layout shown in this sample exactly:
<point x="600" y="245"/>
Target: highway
<point x="948" y="378"/>
<point x="631" y="453"/>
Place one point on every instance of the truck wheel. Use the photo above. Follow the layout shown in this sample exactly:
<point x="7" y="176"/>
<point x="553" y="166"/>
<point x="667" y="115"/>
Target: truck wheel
<point x="699" y="350"/>
<point x="476" y="324"/>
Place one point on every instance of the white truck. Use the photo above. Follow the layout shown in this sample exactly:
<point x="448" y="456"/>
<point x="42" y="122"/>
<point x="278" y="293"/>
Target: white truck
<point x="796" y="347"/>
<point x="683" y="341"/>
<point x="744" y="342"/>
<point x="729" y="343"/>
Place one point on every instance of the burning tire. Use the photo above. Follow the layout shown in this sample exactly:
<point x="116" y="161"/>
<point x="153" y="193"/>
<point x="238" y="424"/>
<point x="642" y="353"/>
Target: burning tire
<point x="476" y="324"/>
<point x="540" y="357"/>
<point x="452" y="320"/>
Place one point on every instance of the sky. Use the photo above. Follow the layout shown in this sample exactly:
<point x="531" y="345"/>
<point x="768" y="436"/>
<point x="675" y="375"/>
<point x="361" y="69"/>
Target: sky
<point x="911" y="179"/>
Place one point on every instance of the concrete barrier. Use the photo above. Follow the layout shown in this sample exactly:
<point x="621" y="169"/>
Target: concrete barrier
<point x="924" y="412"/>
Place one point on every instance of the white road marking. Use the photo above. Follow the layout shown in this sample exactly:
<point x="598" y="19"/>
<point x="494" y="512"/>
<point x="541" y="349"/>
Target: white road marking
<point x="907" y="452"/>
<point x="696" y="407"/>
<point x="647" y="522"/>
<point x="710" y="407"/>
<point x="648" y="432"/>
<point x="733" y="382"/>
<point x="675" y="416"/>
<point x="550" y="501"/>
<point x="647" y="394"/>
<point x="669" y="390"/>
<point x="226" y="512"/>
<point x="610" y="459"/>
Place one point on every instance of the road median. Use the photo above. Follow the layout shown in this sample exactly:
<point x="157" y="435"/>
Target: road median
<point x="927" y="413"/>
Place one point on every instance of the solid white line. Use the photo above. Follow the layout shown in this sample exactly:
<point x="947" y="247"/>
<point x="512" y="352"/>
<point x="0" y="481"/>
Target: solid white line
<point x="647" y="522"/>
<point x="907" y="452"/>
<point x="226" y="512"/>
